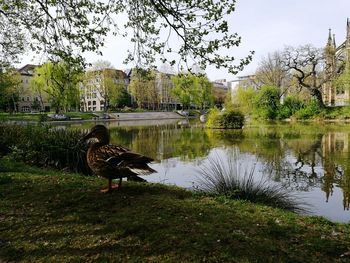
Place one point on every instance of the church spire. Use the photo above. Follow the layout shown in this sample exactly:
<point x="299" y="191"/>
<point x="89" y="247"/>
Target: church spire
<point x="348" y="32"/>
<point x="329" y="42"/>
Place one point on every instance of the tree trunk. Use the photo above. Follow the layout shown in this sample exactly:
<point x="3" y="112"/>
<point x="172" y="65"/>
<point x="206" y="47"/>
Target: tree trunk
<point x="317" y="94"/>
<point x="14" y="103"/>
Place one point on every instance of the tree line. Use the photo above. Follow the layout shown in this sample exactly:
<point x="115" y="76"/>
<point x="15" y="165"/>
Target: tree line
<point x="292" y="80"/>
<point x="67" y="87"/>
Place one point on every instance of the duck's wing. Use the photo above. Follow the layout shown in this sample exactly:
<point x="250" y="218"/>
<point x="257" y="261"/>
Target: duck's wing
<point x="137" y="163"/>
<point x="106" y="155"/>
<point x="106" y="151"/>
<point x="119" y="157"/>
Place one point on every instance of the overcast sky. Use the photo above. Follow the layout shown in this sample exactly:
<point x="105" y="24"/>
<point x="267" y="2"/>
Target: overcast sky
<point x="265" y="26"/>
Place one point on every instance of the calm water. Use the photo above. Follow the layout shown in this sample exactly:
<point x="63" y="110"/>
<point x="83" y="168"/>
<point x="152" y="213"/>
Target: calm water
<point x="313" y="160"/>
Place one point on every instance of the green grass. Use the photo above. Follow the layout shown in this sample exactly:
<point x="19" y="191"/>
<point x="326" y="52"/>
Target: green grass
<point x="50" y="216"/>
<point x="43" y="116"/>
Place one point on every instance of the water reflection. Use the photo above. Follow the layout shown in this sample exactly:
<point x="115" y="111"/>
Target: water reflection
<point x="310" y="159"/>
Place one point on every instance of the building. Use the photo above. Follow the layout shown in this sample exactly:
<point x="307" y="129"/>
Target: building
<point x="337" y="61"/>
<point x="29" y="99"/>
<point x="220" y="90"/>
<point x="164" y="86"/>
<point x="95" y="89"/>
<point x="245" y="82"/>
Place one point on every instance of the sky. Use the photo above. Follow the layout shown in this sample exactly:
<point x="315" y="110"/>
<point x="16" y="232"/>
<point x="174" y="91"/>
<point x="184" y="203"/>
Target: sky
<point x="265" y="26"/>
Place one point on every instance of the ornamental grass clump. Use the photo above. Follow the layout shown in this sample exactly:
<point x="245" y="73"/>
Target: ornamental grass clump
<point x="227" y="178"/>
<point x="228" y="119"/>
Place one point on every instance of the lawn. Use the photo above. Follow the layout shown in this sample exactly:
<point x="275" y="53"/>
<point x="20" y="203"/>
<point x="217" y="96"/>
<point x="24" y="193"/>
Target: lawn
<point x="50" y="216"/>
<point x="43" y="116"/>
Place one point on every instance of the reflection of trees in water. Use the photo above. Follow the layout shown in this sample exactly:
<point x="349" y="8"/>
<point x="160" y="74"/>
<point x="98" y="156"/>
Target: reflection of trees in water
<point x="301" y="158"/>
<point x="164" y="141"/>
<point x="302" y="162"/>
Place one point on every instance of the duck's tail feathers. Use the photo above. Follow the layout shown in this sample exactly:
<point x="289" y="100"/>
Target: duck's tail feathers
<point x="142" y="169"/>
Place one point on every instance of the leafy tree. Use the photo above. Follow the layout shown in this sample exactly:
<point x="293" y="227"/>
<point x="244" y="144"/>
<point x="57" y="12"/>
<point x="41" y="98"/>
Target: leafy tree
<point x="244" y="100"/>
<point x="267" y="102"/>
<point x="191" y="89"/>
<point x="137" y="89"/>
<point x="165" y="86"/>
<point x="67" y="29"/>
<point x="203" y="91"/>
<point x="119" y="97"/>
<point x="60" y="82"/>
<point x="9" y="89"/>
<point x="184" y="85"/>
<point x="12" y="42"/>
<point x="39" y="83"/>
<point x="143" y="88"/>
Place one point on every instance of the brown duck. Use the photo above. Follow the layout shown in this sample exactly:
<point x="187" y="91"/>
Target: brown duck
<point x="114" y="161"/>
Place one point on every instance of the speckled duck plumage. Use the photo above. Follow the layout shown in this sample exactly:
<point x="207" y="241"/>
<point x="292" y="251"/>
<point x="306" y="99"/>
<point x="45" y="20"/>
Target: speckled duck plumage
<point x="114" y="161"/>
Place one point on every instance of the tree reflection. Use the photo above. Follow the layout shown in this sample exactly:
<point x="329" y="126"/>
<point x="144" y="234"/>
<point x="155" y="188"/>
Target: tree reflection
<point x="165" y="141"/>
<point x="301" y="157"/>
<point x="304" y="158"/>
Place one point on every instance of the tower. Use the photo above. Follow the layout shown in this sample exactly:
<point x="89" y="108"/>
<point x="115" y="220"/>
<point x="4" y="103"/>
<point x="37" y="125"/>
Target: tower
<point x="330" y="68"/>
<point x="347" y="43"/>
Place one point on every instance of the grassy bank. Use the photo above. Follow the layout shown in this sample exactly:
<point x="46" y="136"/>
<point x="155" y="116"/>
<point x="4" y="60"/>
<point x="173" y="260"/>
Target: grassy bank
<point x="50" y="216"/>
<point x="42" y="116"/>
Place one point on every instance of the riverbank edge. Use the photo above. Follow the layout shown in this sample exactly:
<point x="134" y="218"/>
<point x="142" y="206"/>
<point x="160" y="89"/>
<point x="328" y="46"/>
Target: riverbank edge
<point x="50" y="215"/>
<point x="112" y="117"/>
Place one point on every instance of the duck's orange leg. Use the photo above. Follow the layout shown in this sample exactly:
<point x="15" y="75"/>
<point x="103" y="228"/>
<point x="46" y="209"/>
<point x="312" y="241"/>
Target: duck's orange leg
<point x="111" y="186"/>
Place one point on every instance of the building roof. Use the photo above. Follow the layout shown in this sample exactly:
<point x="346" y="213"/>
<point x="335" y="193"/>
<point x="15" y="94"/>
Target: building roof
<point x="27" y="70"/>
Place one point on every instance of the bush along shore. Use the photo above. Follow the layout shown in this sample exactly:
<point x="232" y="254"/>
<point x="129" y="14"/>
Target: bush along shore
<point x="55" y="216"/>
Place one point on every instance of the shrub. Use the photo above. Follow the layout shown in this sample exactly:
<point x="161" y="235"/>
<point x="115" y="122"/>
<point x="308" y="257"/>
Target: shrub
<point x="225" y="120"/>
<point x="310" y="110"/>
<point x="244" y="99"/>
<point x="290" y="106"/>
<point x="45" y="146"/>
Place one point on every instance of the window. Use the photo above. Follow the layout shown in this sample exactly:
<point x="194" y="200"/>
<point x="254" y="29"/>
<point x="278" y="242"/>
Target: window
<point x="340" y="91"/>
<point x="25" y="109"/>
<point x="94" y="102"/>
<point x="89" y="103"/>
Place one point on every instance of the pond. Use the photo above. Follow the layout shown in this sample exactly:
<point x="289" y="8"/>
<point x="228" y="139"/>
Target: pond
<point x="312" y="159"/>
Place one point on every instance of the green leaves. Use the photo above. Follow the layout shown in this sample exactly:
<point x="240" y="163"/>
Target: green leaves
<point x="191" y="89"/>
<point x="58" y="81"/>
<point x="186" y="30"/>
